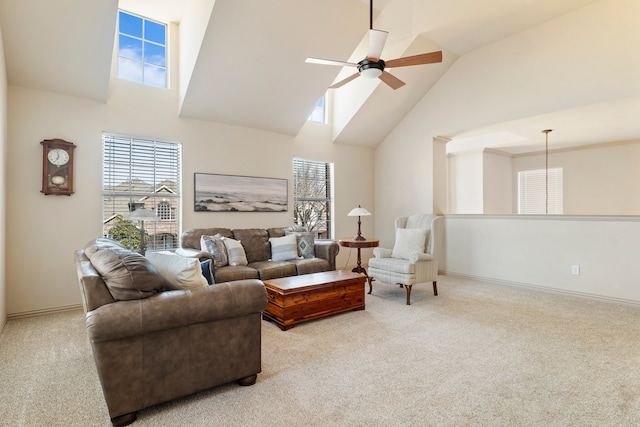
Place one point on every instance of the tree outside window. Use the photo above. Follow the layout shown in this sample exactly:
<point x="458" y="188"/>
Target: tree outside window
<point x="312" y="199"/>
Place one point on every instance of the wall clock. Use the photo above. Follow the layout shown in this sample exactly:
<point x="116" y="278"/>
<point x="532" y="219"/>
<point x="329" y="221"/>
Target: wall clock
<point x="57" y="167"/>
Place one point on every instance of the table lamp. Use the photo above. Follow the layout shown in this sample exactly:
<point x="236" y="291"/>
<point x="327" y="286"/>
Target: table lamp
<point x="142" y="215"/>
<point x="359" y="211"/>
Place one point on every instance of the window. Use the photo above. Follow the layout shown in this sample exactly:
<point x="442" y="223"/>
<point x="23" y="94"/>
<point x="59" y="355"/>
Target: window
<point x="141" y="174"/>
<point x="142" y="50"/>
<point x="318" y="114"/>
<point x="313" y="196"/>
<point x="532" y="195"/>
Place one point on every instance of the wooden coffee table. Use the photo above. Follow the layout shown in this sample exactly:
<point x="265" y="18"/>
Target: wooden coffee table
<point x="296" y="299"/>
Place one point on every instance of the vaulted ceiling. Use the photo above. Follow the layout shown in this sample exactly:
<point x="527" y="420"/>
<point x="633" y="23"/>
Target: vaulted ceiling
<point x="243" y="62"/>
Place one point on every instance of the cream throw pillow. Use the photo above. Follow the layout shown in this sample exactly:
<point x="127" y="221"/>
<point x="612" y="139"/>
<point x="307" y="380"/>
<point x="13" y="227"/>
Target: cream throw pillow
<point x="235" y="251"/>
<point x="284" y="248"/>
<point x="408" y="241"/>
<point x="180" y="272"/>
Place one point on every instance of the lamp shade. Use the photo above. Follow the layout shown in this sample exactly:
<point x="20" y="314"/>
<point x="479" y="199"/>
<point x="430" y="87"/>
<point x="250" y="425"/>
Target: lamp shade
<point x="359" y="212"/>
<point x="141" y="214"/>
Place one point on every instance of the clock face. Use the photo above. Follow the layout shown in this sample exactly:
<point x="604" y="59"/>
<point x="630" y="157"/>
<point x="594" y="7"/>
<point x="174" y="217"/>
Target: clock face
<point x="58" y="156"/>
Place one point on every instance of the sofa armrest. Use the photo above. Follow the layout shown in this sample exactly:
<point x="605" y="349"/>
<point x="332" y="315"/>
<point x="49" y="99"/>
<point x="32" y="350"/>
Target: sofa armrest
<point x="175" y="309"/>
<point x="382" y="252"/>
<point x="194" y="253"/>
<point x="327" y="250"/>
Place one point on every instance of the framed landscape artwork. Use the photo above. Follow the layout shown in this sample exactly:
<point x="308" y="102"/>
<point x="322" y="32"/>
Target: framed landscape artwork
<point x="233" y="193"/>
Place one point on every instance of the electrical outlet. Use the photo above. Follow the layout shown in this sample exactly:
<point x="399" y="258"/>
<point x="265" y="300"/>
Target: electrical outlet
<point x="575" y="270"/>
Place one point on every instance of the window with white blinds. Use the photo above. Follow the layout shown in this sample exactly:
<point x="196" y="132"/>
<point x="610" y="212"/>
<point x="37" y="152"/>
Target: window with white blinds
<point x="535" y="196"/>
<point x="139" y="174"/>
<point x="313" y="196"/>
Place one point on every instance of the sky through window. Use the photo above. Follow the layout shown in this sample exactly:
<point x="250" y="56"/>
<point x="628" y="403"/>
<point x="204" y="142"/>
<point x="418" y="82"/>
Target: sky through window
<point x="142" y="50"/>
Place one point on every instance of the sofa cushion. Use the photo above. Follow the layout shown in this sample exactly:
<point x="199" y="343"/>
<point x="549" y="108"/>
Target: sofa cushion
<point x="128" y="275"/>
<point x="305" y="243"/>
<point x="231" y="273"/>
<point x="311" y="265"/>
<point x="255" y="242"/>
<point x="100" y="243"/>
<point x="191" y="238"/>
<point x="235" y="251"/>
<point x="274" y="269"/>
<point x="179" y="272"/>
<point x="215" y="246"/>
<point x="284" y="248"/>
<point x="408" y="241"/>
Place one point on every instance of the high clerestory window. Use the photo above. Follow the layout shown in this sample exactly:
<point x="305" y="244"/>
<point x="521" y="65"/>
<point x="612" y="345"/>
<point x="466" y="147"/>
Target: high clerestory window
<point x="142" y="50"/>
<point x="319" y="113"/>
<point x="313" y="196"/>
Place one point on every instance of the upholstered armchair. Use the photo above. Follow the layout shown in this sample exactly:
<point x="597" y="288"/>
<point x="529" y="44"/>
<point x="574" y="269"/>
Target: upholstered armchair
<point x="414" y="257"/>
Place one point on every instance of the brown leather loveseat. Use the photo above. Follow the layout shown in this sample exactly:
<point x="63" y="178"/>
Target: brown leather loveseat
<point x="153" y="345"/>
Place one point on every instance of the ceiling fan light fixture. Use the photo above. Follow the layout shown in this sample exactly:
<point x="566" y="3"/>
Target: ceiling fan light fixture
<point x="371" y="69"/>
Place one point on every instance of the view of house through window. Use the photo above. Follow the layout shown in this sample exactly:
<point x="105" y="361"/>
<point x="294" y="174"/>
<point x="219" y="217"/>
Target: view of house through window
<point x="141" y="174"/>
<point x="318" y="114"/>
<point x="532" y="191"/>
<point x="313" y="196"/>
<point x="142" y="50"/>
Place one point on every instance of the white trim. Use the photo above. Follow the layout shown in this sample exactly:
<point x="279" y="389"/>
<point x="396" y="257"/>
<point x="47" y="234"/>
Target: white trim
<point x="601" y="298"/>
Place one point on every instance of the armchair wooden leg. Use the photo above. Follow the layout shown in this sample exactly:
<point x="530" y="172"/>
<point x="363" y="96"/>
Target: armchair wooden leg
<point x="408" y="293"/>
<point x="435" y="288"/>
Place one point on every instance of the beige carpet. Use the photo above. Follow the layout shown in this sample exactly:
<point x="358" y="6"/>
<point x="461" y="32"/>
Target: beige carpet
<point x="479" y="354"/>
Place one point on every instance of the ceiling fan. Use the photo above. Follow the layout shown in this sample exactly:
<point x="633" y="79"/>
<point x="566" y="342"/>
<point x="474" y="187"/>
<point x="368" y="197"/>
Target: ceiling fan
<point x="373" y="66"/>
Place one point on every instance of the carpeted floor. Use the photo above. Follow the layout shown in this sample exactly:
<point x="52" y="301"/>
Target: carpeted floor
<point x="479" y="354"/>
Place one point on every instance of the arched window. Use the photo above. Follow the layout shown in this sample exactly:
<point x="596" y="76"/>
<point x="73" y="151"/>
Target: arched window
<point x="164" y="210"/>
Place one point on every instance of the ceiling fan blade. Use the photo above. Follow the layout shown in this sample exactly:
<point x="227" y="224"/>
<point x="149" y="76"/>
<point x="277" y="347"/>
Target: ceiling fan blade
<point x="377" y="39"/>
<point x="391" y="80"/>
<point x="329" y="62"/>
<point x="425" y="58"/>
<point x="345" y="81"/>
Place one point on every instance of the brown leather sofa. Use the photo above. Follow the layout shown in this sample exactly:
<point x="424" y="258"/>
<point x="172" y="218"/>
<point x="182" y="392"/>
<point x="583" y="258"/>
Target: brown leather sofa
<point x="255" y="242"/>
<point x="151" y="345"/>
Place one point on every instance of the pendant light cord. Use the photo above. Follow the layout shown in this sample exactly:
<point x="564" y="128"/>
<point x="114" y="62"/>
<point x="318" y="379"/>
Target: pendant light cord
<point x="546" y="169"/>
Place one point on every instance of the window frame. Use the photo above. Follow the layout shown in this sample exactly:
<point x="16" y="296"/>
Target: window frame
<point x="144" y="173"/>
<point x="322" y="184"/>
<point x="144" y="42"/>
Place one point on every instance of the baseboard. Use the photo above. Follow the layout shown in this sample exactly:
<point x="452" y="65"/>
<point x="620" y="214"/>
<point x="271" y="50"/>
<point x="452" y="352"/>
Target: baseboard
<point x="42" y="312"/>
<point x="602" y="298"/>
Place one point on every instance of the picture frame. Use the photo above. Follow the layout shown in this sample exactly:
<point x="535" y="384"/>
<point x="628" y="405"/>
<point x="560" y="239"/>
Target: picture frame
<point x="237" y="193"/>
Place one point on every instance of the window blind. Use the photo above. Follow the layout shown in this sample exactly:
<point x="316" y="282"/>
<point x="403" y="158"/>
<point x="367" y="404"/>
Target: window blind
<point x="532" y="191"/>
<point x="313" y="196"/>
<point x="140" y="173"/>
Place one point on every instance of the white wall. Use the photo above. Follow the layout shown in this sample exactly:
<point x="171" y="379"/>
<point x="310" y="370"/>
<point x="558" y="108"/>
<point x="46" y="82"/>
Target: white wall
<point x="497" y="183"/>
<point x="45" y="230"/>
<point x="3" y="181"/>
<point x="538" y="251"/>
<point x="466" y="182"/>
<point x="501" y="82"/>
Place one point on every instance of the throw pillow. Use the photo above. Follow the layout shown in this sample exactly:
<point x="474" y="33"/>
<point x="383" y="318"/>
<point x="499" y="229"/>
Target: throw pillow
<point x="235" y="250"/>
<point x="179" y="272"/>
<point x="206" y="270"/>
<point x="284" y="248"/>
<point x="408" y="241"/>
<point x="306" y="243"/>
<point x="215" y="246"/>
<point x="128" y="275"/>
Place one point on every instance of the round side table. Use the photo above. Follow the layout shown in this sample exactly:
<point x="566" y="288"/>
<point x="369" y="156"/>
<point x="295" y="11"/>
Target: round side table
<point x="359" y="244"/>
